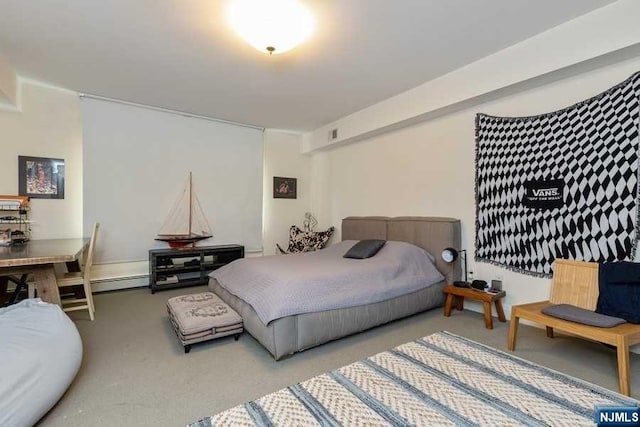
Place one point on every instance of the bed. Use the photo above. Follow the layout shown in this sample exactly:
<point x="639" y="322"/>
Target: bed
<point x="287" y="335"/>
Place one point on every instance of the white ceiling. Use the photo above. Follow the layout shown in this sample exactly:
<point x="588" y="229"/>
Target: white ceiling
<point x="180" y="54"/>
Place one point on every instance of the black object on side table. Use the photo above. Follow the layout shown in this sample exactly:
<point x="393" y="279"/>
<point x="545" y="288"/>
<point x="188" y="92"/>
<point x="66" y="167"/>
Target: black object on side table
<point x="180" y="267"/>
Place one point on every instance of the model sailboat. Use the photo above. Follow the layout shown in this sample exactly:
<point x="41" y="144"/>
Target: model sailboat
<point x="186" y="223"/>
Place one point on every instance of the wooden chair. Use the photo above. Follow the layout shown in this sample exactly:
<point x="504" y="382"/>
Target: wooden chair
<point x="81" y="278"/>
<point x="576" y="283"/>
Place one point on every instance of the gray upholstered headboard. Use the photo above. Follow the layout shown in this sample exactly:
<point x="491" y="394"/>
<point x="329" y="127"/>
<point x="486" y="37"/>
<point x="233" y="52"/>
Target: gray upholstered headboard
<point x="431" y="233"/>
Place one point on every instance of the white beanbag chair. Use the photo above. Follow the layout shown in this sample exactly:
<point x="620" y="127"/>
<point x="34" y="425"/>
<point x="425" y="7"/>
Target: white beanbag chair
<point x="40" y="354"/>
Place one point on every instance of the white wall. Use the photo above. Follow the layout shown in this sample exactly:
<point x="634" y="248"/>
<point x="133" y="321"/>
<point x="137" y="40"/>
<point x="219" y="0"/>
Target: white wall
<point x="413" y="154"/>
<point x="428" y="169"/>
<point x="282" y="158"/>
<point x="136" y="157"/>
<point x="49" y="125"/>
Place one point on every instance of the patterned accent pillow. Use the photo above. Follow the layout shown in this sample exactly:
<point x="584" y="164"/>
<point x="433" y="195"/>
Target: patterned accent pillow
<point x="307" y="241"/>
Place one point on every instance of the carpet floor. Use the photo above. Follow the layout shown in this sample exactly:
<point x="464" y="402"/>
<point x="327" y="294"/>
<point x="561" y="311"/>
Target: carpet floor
<point x="135" y="372"/>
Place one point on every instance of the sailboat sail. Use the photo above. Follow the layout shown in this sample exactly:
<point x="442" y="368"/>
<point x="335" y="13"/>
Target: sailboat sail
<point x="186" y="222"/>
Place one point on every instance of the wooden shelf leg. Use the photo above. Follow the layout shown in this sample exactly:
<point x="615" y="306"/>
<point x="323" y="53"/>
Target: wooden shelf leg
<point x="500" y="311"/>
<point x="513" y="331"/>
<point x="549" y="332"/>
<point x="447" y="305"/>
<point x="459" y="303"/>
<point x="488" y="320"/>
<point x="623" y="365"/>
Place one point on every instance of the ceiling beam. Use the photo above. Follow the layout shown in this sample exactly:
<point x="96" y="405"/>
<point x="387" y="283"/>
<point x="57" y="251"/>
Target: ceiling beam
<point x="603" y="37"/>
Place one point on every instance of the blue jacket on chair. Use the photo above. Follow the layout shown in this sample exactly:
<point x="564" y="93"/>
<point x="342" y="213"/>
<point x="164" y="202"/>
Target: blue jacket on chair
<point x="619" y="286"/>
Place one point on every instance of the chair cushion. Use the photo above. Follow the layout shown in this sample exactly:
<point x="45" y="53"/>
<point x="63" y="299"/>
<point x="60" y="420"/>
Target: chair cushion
<point x="581" y="315"/>
<point x="365" y="249"/>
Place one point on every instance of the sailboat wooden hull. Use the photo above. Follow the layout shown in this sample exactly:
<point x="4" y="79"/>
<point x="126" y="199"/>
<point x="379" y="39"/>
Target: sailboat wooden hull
<point x="181" y="241"/>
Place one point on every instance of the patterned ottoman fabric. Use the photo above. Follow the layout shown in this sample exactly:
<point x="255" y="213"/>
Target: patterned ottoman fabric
<point x="202" y="317"/>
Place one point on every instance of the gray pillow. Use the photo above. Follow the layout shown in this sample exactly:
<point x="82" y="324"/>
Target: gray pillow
<point x="365" y="249"/>
<point x="581" y="315"/>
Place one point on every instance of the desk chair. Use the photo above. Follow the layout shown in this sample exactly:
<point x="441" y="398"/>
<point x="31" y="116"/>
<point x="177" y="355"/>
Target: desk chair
<point x="81" y="278"/>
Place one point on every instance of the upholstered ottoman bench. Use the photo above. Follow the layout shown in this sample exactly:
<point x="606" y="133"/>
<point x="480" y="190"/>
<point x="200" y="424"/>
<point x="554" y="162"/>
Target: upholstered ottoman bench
<point x="202" y="317"/>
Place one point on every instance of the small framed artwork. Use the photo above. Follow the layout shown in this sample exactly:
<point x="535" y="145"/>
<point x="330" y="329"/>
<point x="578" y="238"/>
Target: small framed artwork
<point x="41" y="177"/>
<point x="284" y="188"/>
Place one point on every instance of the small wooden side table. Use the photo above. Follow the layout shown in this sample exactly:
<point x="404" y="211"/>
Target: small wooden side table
<point x="485" y="297"/>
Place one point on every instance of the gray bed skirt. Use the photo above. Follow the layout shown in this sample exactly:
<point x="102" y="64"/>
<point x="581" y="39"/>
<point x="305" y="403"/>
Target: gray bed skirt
<point x="296" y="333"/>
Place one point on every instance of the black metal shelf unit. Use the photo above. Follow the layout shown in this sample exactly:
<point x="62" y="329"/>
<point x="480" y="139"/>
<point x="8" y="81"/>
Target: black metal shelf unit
<point x="179" y="267"/>
<point x="14" y="221"/>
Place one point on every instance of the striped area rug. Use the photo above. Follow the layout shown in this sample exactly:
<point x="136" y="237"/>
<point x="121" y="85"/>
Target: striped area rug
<point x="439" y="380"/>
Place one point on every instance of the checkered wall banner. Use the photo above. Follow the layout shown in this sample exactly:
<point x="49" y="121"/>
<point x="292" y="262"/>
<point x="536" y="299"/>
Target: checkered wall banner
<point x="559" y="185"/>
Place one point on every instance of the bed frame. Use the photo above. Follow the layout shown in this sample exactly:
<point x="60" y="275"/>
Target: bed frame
<point x="290" y="334"/>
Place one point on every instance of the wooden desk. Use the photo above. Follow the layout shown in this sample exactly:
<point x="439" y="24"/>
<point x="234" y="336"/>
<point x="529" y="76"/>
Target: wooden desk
<point x="38" y="257"/>
<point x="485" y="297"/>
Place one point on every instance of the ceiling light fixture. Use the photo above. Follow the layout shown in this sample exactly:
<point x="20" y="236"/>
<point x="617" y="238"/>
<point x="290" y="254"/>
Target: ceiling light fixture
<point x="273" y="26"/>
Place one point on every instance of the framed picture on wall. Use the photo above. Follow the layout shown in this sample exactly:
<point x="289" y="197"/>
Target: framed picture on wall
<point x="284" y="188"/>
<point x="41" y="177"/>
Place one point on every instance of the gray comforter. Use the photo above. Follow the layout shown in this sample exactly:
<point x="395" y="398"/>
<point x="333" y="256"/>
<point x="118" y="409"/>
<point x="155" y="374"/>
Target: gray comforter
<point x="284" y="285"/>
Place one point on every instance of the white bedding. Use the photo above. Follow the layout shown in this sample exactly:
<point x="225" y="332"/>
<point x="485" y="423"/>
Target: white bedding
<point x="283" y="285"/>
